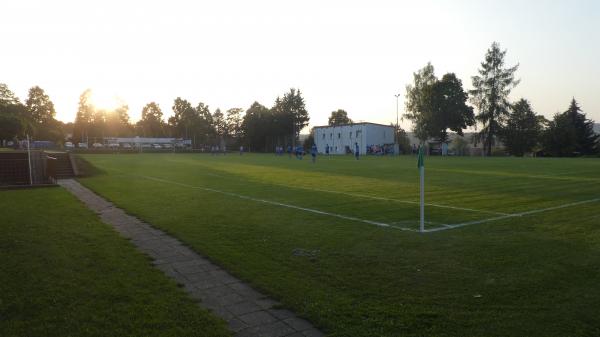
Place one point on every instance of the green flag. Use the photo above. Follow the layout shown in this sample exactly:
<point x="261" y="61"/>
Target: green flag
<point x="420" y="163"/>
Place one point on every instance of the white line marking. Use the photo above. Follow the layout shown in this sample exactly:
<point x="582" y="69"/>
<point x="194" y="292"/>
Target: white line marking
<point x="369" y="196"/>
<point x="535" y="211"/>
<point x="401" y="201"/>
<point x="376" y="223"/>
<point x="316" y="211"/>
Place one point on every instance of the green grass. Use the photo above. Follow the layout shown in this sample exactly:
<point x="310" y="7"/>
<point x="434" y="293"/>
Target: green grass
<point x="64" y="273"/>
<point x="532" y="275"/>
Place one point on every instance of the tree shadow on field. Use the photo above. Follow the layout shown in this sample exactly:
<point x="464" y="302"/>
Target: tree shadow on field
<point x="87" y="169"/>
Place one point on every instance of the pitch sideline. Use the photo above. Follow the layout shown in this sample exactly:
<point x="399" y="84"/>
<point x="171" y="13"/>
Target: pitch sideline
<point x="376" y="223"/>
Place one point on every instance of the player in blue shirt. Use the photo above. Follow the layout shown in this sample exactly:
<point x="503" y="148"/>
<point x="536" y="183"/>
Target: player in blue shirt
<point x="356" y="150"/>
<point x="327" y="149"/>
<point x="299" y="152"/>
<point x="313" y="153"/>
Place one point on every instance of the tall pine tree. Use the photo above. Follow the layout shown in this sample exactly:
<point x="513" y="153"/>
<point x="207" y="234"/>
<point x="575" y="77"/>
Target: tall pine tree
<point x="490" y="94"/>
<point x="585" y="138"/>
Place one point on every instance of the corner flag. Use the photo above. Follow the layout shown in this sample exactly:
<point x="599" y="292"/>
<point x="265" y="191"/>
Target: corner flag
<point x="420" y="162"/>
<point x="421" y="166"/>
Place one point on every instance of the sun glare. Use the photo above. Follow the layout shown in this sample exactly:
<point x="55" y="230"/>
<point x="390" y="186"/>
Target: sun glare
<point x="104" y="101"/>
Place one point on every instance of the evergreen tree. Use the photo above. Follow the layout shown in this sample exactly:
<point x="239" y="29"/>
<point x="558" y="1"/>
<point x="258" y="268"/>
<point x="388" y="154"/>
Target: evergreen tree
<point x="490" y="94"/>
<point x="560" y="139"/>
<point x="585" y="138"/>
<point x="83" y="117"/>
<point x="522" y="129"/>
<point x="219" y="123"/>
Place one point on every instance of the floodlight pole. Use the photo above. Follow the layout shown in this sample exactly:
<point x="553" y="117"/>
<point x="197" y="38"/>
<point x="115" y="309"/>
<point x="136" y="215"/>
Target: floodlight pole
<point x="397" y="96"/>
<point x="396" y="138"/>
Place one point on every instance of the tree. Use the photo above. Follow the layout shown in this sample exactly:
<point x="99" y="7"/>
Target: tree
<point x="219" y="124"/>
<point x="310" y="140"/>
<point x="460" y="146"/>
<point x="258" y="128"/>
<point x="403" y="141"/>
<point x="204" y="128"/>
<point x="560" y="139"/>
<point x="584" y="130"/>
<point x="490" y="94"/>
<point x="11" y="126"/>
<point x="7" y="97"/>
<point x="339" y="117"/>
<point x="417" y="102"/>
<point x="233" y="123"/>
<point x="12" y="114"/>
<point x="40" y="116"/>
<point x="522" y="129"/>
<point x="290" y="114"/>
<point x="83" y="117"/>
<point x="117" y="122"/>
<point x="570" y="133"/>
<point x="151" y="124"/>
<point x="446" y="108"/>
<point x="183" y="118"/>
<point x="39" y="106"/>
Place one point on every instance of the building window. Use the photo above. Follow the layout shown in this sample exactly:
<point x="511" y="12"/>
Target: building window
<point x="323" y="136"/>
<point x="331" y="136"/>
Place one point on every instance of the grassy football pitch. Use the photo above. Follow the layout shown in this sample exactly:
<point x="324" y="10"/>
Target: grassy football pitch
<point x="65" y="273"/>
<point x="512" y="248"/>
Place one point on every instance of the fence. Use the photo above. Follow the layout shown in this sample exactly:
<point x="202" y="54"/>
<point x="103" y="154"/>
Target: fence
<point x="15" y="168"/>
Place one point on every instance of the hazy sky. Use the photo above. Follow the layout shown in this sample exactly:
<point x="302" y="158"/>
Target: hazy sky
<point x="353" y="55"/>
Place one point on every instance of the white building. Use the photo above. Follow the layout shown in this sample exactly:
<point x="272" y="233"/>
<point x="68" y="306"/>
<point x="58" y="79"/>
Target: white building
<point x="341" y="139"/>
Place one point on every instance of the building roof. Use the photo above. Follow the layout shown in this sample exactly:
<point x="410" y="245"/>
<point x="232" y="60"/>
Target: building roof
<point x="351" y="124"/>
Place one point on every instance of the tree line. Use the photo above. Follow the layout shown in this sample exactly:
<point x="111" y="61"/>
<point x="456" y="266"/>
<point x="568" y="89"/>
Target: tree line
<point x="259" y="128"/>
<point x="436" y="106"/>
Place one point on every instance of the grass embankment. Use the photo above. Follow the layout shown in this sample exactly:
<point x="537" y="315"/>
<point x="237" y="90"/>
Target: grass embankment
<point x="532" y="275"/>
<point x="64" y="273"/>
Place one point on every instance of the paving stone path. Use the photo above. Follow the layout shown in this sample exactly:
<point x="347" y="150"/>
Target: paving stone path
<point x="246" y="311"/>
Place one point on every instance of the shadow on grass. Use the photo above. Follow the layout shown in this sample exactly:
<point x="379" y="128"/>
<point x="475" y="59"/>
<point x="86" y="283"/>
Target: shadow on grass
<point x="87" y="169"/>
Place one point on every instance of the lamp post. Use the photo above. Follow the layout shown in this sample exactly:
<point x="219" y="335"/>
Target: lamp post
<point x="397" y="96"/>
<point x="397" y="124"/>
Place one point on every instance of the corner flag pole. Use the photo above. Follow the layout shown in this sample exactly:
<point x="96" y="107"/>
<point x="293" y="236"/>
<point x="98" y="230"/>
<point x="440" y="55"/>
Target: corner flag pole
<point x="421" y="166"/>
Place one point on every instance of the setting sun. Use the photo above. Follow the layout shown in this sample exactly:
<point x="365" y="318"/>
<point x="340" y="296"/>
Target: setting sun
<point x="103" y="100"/>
